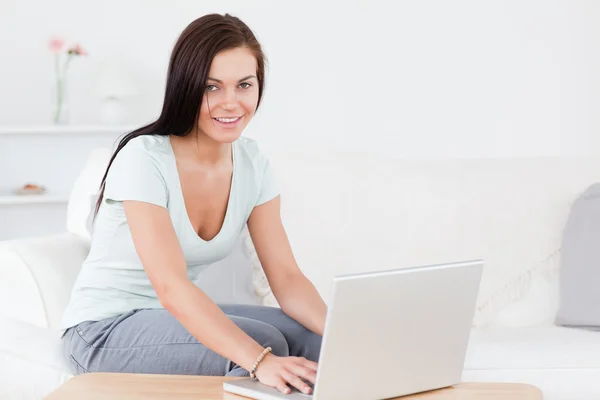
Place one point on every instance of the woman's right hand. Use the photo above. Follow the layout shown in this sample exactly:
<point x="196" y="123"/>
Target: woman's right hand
<point x="277" y="372"/>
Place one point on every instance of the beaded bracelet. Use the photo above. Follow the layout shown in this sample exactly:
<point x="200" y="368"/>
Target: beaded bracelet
<point x="258" y="360"/>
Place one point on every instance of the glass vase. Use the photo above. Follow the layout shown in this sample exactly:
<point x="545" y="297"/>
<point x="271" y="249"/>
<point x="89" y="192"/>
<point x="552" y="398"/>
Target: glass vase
<point x="60" y="110"/>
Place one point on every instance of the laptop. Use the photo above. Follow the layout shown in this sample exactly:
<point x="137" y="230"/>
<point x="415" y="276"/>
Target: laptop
<point x="390" y="333"/>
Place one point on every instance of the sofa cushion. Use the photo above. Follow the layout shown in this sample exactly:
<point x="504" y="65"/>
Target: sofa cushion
<point x="580" y="264"/>
<point x="555" y="383"/>
<point x="85" y="191"/>
<point x="563" y="362"/>
<point x="533" y="348"/>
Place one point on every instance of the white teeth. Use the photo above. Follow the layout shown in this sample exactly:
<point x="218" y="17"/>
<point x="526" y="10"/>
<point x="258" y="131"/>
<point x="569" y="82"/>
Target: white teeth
<point x="227" y="120"/>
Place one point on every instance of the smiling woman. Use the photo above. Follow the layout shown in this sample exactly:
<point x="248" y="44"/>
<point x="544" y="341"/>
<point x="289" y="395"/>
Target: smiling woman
<point x="175" y="198"/>
<point x="235" y="100"/>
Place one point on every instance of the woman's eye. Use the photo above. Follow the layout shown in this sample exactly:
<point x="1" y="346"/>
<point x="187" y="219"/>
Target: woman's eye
<point x="211" y="88"/>
<point x="245" y="83"/>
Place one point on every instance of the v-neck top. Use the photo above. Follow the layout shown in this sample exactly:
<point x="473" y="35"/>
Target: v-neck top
<point x="112" y="279"/>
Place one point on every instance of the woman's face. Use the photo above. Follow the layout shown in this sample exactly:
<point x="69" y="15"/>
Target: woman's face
<point x="231" y="95"/>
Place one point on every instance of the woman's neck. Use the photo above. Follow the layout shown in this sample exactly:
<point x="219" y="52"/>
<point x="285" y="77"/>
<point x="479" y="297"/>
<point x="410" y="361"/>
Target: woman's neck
<point x="203" y="149"/>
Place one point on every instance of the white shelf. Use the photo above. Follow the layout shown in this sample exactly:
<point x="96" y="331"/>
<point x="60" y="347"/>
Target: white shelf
<point x="33" y="199"/>
<point x="67" y="129"/>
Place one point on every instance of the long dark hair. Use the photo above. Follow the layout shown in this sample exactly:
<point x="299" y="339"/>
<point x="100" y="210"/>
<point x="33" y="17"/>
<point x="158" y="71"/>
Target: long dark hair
<point x="189" y="66"/>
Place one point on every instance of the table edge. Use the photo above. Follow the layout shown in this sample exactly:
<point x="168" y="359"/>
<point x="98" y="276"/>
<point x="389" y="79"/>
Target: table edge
<point x="96" y="375"/>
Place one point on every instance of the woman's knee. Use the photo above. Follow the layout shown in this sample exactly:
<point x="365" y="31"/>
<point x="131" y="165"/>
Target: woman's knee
<point x="302" y="342"/>
<point x="276" y="341"/>
<point x="265" y="334"/>
<point x="310" y="347"/>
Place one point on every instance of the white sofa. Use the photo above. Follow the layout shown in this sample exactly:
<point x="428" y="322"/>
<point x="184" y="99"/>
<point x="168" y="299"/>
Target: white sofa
<point x="349" y="212"/>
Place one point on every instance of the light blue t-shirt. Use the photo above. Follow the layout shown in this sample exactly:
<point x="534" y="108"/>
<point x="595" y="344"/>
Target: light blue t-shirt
<point x="112" y="279"/>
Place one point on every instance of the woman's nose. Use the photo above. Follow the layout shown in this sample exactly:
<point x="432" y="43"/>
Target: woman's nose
<point x="228" y="106"/>
<point x="230" y="100"/>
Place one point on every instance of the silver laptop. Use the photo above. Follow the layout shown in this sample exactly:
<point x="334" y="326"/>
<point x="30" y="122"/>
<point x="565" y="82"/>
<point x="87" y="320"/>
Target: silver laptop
<point x="389" y="334"/>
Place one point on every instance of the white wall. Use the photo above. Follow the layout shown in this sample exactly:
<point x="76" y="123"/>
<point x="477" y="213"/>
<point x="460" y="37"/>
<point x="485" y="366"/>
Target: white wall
<point x="410" y="78"/>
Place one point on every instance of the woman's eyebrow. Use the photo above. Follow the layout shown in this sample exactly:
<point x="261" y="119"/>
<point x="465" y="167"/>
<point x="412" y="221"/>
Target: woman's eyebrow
<point x="243" y="79"/>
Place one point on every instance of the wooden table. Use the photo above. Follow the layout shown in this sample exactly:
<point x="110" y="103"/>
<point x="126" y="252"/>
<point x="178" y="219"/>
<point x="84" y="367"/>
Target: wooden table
<point x="112" y="386"/>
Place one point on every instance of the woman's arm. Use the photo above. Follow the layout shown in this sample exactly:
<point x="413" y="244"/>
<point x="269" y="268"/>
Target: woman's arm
<point x="296" y="295"/>
<point x="161" y="255"/>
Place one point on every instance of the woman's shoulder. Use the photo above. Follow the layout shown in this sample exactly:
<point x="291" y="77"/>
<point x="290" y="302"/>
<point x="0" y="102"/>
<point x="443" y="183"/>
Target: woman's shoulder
<point x="144" y="154"/>
<point x="149" y="143"/>
<point x="145" y="146"/>
<point x="248" y="145"/>
<point x="251" y="150"/>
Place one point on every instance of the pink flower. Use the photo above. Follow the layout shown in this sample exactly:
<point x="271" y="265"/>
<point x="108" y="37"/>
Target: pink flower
<point x="77" y="50"/>
<point x="56" y="44"/>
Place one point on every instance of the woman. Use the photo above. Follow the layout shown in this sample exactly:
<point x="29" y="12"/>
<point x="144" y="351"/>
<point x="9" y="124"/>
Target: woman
<point x="175" y="197"/>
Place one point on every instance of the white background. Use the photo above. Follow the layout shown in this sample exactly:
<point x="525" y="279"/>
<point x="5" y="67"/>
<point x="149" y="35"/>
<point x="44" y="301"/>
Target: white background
<point x="414" y="79"/>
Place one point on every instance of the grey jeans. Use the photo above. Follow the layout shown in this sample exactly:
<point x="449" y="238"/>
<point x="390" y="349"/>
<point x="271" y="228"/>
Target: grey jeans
<point x="153" y="341"/>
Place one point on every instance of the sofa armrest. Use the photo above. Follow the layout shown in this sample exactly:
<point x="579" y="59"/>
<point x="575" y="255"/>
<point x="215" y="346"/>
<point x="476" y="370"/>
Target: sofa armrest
<point x="30" y="342"/>
<point x="37" y="275"/>
<point x="31" y="360"/>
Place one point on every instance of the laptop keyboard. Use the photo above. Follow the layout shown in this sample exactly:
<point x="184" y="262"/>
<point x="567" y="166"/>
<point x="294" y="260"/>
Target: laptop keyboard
<point x="296" y="391"/>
